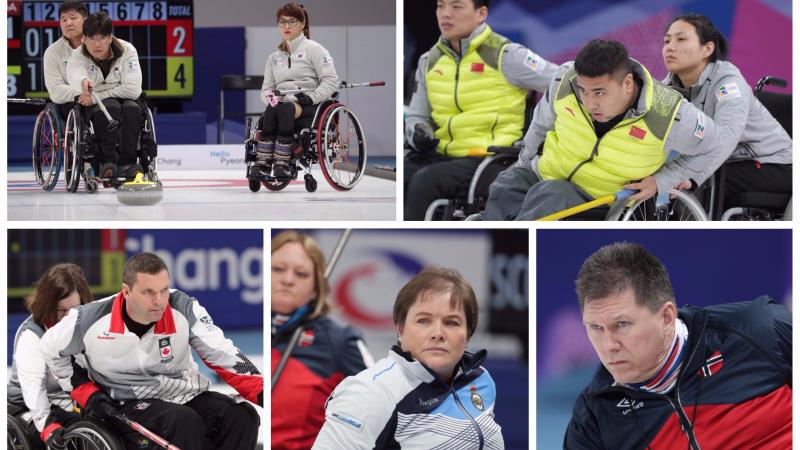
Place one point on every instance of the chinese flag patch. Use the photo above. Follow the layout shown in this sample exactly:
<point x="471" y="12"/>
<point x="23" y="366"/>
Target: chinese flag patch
<point x="637" y="132"/>
<point x="712" y="365"/>
<point x="477" y="67"/>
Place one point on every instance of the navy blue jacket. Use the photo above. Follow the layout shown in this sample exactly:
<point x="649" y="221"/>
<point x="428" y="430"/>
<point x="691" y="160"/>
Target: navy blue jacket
<point x="733" y="391"/>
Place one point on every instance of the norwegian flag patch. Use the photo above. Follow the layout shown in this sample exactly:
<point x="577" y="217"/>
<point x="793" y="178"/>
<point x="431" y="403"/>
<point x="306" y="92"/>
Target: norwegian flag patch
<point x="712" y="365"/>
<point x="307" y="338"/>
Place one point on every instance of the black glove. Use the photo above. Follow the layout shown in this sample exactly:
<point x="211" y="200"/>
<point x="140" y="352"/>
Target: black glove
<point x="55" y="440"/>
<point x="261" y="399"/>
<point x="424" y="139"/>
<point x="303" y="99"/>
<point x="101" y="406"/>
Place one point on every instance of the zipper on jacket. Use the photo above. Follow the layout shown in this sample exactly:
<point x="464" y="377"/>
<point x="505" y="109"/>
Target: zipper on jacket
<point x="466" y="413"/>
<point x="449" y="134"/>
<point x="455" y="90"/>
<point x="686" y="425"/>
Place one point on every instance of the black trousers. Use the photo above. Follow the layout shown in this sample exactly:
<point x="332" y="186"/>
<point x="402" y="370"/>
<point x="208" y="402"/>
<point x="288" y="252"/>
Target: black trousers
<point x="64" y="109"/>
<point x="127" y="136"/>
<point x="279" y="121"/>
<point x="210" y="421"/>
<point x="750" y="176"/>
<point x="430" y="176"/>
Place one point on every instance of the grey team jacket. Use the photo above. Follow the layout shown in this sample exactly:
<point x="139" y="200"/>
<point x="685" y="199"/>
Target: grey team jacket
<point x="749" y="132"/>
<point x="694" y="136"/>
<point x="56" y="58"/>
<point x="308" y="66"/>
<point x="159" y="365"/>
<point x="123" y="81"/>
<point x="400" y="403"/>
<point x="521" y="67"/>
<point x="30" y="382"/>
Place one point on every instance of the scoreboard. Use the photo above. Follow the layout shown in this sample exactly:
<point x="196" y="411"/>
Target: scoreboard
<point x="161" y="31"/>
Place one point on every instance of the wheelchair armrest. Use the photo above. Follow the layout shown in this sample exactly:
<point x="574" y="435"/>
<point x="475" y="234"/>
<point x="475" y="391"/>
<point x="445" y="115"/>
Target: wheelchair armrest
<point x="496" y="149"/>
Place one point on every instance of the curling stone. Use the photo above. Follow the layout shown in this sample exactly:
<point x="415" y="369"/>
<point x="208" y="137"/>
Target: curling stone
<point x="140" y="192"/>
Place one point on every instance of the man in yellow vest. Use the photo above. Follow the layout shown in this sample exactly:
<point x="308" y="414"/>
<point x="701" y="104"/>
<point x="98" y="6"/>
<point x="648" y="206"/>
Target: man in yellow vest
<point x="605" y="125"/>
<point x="470" y="94"/>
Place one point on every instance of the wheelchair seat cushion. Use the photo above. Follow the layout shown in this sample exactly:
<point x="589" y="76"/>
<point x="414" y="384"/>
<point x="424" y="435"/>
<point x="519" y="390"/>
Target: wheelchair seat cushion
<point x="764" y="200"/>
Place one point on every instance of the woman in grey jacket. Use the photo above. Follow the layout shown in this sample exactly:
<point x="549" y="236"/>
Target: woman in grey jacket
<point x="758" y="149"/>
<point x="299" y="63"/>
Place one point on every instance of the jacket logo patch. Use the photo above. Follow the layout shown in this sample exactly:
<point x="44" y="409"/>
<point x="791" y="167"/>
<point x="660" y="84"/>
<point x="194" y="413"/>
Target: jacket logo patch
<point x="165" y="349"/>
<point x="351" y="421"/>
<point x="438" y="72"/>
<point x="106" y="335"/>
<point x="300" y="56"/>
<point x="429" y="402"/>
<point x="700" y="126"/>
<point x="477" y="67"/>
<point x="326" y="61"/>
<point x="638" y="133"/>
<point x="532" y="62"/>
<point x="307" y="338"/>
<point x="475" y="398"/>
<point x="569" y="110"/>
<point x="712" y="365"/>
<point x="629" y="405"/>
<point x="728" y="91"/>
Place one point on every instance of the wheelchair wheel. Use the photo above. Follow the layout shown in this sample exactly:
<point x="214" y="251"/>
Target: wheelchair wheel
<point x="18" y="436"/>
<point x="87" y="435"/>
<point x="47" y="147"/>
<point x="72" y="157"/>
<point x="681" y="207"/>
<point x="341" y="146"/>
<point x="254" y="185"/>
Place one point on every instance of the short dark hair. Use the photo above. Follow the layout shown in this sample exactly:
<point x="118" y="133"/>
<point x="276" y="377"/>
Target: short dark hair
<point x="479" y="3"/>
<point x="78" y="7"/>
<point x="98" y="23"/>
<point x="706" y="32"/>
<point x="438" y="279"/>
<point x="601" y="57"/>
<point x="621" y="266"/>
<point x="144" y="262"/>
<point x="57" y="283"/>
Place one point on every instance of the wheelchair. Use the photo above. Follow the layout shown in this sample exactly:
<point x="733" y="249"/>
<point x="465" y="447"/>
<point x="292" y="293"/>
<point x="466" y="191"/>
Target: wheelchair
<point x="82" y="435"/>
<point x="754" y="206"/>
<point x="80" y="148"/>
<point x="47" y="146"/>
<point x="335" y="140"/>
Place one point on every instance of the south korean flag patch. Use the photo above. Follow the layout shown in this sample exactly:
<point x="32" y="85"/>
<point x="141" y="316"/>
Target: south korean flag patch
<point x="326" y="61"/>
<point x="728" y="91"/>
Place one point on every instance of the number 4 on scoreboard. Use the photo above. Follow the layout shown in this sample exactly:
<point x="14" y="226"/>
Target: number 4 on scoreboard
<point x="180" y="75"/>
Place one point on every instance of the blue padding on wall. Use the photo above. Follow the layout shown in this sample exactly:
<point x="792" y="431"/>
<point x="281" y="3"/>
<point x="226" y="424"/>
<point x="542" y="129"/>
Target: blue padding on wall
<point x="186" y="128"/>
<point x="218" y="51"/>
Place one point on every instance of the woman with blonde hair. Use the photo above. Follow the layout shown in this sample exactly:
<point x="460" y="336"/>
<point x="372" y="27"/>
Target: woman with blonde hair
<point x="325" y="353"/>
<point x="32" y="386"/>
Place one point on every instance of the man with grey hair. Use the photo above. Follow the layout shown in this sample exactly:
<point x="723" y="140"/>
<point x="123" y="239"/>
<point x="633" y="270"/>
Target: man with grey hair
<point x="677" y="378"/>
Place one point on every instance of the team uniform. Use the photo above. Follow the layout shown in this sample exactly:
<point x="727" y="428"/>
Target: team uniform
<point x="733" y="390"/>
<point x="34" y="387"/>
<point x="55" y="61"/>
<point x="758" y="149"/>
<point x="400" y="403"/>
<point x="326" y="353"/>
<point x="473" y="99"/>
<point x="118" y="84"/>
<point x="300" y="64"/>
<point x="583" y="159"/>
<point x="153" y="376"/>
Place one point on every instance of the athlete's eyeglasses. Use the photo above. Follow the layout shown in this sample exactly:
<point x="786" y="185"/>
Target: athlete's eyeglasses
<point x="288" y="23"/>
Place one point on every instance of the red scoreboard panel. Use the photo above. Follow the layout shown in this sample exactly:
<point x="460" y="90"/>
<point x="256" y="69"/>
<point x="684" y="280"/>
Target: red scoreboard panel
<point x="161" y="31"/>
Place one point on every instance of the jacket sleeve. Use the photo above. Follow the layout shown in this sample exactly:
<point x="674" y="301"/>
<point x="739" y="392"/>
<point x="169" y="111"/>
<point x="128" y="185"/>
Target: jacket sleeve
<point x="544" y="119"/>
<point x="525" y="69"/>
<point x="224" y="358"/>
<point x="326" y="72"/>
<point x="32" y="370"/>
<point x="698" y="142"/>
<point x="59" y="346"/>
<point x="356" y="414"/>
<point x="57" y="87"/>
<point x="78" y="70"/>
<point x="131" y="86"/>
<point x="269" y="81"/>
<point x="419" y="109"/>
<point x="583" y="432"/>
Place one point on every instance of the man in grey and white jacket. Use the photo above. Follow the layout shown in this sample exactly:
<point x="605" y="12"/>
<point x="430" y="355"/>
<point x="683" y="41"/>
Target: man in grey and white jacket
<point x="71" y="15"/>
<point x="109" y="67"/>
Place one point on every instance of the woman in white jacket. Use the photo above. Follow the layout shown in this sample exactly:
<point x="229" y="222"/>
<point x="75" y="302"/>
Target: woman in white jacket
<point x="32" y="386"/>
<point x="299" y="63"/>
